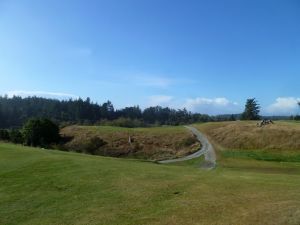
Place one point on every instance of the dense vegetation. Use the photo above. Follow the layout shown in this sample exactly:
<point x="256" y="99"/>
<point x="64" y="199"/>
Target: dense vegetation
<point x="40" y="132"/>
<point x="35" y="132"/>
<point x="12" y="135"/>
<point x="15" y="111"/>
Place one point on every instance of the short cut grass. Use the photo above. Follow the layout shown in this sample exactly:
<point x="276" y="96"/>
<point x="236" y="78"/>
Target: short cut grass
<point x="61" y="188"/>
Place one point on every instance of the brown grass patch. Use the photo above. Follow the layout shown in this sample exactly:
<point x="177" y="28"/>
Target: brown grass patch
<point x="246" y="135"/>
<point x="147" y="143"/>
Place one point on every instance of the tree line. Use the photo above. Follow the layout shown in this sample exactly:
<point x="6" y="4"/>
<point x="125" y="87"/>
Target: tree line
<point x="15" y="111"/>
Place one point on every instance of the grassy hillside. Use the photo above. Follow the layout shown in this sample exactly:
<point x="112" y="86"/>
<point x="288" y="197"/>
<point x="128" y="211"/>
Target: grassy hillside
<point x="53" y="187"/>
<point x="147" y="143"/>
<point x="241" y="135"/>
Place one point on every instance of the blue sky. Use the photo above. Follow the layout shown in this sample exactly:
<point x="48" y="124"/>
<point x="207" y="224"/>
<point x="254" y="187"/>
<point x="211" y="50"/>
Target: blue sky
<point x="207" y="56"/>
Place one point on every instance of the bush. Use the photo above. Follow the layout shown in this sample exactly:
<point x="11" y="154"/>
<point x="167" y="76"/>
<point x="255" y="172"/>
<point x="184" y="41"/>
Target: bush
<point x="4" y="135"/>
<point x="16" y="136"/>
<point x="186" y="142"/>
<point x="40" y="132"/>
<point x="93" y="144"/>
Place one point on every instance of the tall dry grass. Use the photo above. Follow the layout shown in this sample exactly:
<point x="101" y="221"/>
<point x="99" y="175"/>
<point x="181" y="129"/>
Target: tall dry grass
<point x="246" y="135"/>
<point x="146" y="143"/>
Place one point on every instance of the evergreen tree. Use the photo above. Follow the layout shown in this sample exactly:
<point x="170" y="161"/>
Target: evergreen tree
<point x="252" y="110"/>
<point x="232" y="118"/>
<point x="15" y="111"/>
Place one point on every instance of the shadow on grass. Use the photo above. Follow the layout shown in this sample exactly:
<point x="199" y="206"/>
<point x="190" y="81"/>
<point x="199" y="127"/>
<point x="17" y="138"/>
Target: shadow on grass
<point x="263" y="155"/>
<point x="196" y="162"/>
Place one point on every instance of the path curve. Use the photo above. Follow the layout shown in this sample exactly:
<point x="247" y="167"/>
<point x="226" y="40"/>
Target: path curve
<point x="207" y="150"/>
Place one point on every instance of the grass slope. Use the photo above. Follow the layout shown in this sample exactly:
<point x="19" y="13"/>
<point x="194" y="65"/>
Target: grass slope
<point x="240" y="142"/>
<point x="52" y="187"/>
<point x="281" y="136"/>
<point x="154" y="143"/>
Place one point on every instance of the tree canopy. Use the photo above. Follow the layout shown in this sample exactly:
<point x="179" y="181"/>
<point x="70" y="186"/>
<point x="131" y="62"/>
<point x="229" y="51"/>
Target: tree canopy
<point x="252" y="110"/>
<point x="40" y="132"/>
<point x="15" y="111"/>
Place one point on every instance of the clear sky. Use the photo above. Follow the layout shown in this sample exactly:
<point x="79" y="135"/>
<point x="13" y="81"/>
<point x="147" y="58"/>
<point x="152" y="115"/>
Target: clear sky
<point x="207" y="56"/>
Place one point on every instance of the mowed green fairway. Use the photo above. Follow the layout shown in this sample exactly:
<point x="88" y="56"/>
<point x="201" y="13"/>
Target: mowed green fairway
<point x="51" y="187"/>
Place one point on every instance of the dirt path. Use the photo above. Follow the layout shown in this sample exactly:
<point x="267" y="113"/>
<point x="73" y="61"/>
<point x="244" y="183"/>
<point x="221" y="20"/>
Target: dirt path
<point x="207" y="150"/>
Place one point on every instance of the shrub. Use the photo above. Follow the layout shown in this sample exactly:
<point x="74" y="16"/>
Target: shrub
<point x="40" y="132"/>
<point x="186" y="142"/>
<point x="16" y="136"/>
<point x="93" y="144"/>
<point x="4" y="135"/>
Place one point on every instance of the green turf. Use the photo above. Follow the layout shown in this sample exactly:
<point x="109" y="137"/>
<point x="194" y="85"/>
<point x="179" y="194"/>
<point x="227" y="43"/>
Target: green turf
<point x="196" y="162"/>
<point x="50" y="187"/>
<point x="265" y="155"/>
